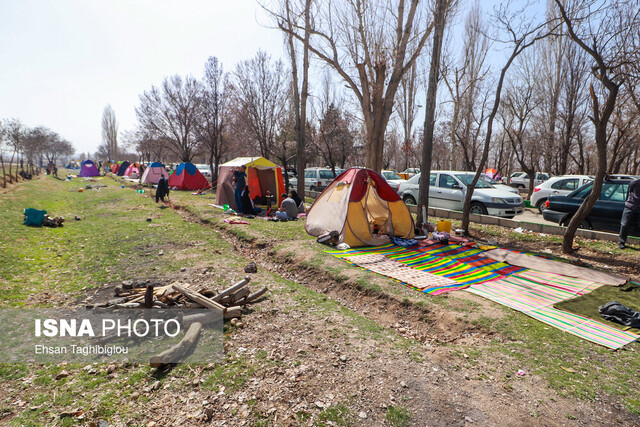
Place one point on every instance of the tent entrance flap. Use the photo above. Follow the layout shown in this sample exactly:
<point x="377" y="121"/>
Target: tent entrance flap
<point x="376" y="211"/>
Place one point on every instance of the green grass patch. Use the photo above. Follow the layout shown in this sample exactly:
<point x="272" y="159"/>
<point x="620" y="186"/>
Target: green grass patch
<point x="112" y="241"/>
<point x="338" y="415"/>
<point x="398" y="416"/>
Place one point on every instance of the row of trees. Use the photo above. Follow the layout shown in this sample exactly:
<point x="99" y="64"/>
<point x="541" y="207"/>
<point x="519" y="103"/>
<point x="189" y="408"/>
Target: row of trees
<point x="564" y="100"/>
<point x="23" y="149"/>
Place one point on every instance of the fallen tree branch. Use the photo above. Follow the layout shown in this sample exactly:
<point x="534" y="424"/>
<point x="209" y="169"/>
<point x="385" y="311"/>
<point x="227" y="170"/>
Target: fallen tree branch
<point x="176" y="352"/>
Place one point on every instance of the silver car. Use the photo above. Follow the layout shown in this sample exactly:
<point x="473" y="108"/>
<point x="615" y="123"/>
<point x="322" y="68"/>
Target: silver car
<point x="557" y="186"/>
<point x="393" y="179"/>
<point x="447" y="190"/>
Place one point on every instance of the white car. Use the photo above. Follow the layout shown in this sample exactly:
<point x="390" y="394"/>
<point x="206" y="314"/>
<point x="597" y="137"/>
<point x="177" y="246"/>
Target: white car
<point x="204" y="169"/>
<point x="316" y="179"/>
<point x="393" y="179"/>
<point x="448" y="188"/>
<point x="557" y="186"/>
<point x="521" y="180"/>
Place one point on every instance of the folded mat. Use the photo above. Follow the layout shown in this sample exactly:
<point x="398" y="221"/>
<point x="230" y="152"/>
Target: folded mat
<point x="535" y="292"/>
<point x="542" y="264"/>
<point x="587" y="305"/>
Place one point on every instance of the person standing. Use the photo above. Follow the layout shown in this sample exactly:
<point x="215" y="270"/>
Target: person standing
<point x="631" y="212"/>
<point x="239" y="182"/>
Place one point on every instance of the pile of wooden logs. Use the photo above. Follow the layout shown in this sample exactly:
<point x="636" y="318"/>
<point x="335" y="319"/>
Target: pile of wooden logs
<point x="182" y="295"/>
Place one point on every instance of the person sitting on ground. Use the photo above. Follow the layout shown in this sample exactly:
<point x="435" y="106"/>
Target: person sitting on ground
<point x="298" y="200"/>
<point x="248" y="208"/>
<point x="288" y="208"/>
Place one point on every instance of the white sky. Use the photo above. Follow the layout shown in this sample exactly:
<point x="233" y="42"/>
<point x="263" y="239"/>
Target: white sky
<point x="63" y="61"/>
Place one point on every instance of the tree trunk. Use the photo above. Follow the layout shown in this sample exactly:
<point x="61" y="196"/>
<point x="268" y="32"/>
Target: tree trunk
<point x="300" y="148"/>
<point x="4" y="174"/>
<point x="601" y="122"/>
<point x="430" y="108"/>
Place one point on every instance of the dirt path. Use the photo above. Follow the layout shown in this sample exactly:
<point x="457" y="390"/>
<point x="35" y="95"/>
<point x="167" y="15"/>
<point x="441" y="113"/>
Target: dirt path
<point x="375" y="357"/>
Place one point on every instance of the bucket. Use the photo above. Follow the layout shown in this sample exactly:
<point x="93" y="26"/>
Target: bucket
<point x="444" y="225"/>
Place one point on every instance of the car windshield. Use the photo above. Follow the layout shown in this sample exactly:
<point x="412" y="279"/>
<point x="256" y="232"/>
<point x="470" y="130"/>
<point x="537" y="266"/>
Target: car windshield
<point x="390" y="175"/>
<point x="467" y="178"/>
<point x="489" y="180"/>
<point x="327" y="174"/>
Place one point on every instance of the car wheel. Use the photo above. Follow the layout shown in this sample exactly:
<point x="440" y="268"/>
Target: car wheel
<point x="584" y="225"/>
<point x="409" y="200"/>
<point x="540" y="205"/>
<point x="509" y="217"/>
<point x="478" y="208"/>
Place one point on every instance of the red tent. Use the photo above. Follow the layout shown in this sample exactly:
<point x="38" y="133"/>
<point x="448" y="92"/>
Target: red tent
<point x="188" y="177"/>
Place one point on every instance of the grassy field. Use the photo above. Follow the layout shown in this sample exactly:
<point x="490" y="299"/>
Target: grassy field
<point x="124" y="235"/>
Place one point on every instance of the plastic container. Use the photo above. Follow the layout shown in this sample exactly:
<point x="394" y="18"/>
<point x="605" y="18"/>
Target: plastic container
<point x="444" y="225"/>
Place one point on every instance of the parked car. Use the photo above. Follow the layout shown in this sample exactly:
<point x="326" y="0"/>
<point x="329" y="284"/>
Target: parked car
<point x="522" y="179"/>
<point x="557" y="186"/>
<point x="393" y="179"/>
<point x="409" y="173"/>
<point x="499" y="185"/>
<point x="204" y="169"/>
<point x="605" y="214"/>
<point x="447" y="190"/>
<point x="316" y="179"/>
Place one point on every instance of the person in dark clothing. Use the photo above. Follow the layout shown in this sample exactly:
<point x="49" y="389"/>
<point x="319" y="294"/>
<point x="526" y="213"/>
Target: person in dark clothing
<point x="248" y="208"/>
<point x="239" y="182"/>
<point x="296" y="198"/>
<point x="631" y="212"/>
<point x="163" y="189"/>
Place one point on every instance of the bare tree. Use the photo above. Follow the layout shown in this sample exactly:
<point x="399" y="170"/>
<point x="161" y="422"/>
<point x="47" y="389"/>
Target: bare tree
<point x="300" y="96"/>
<point x="603" y="31"/>
<point x="521" y="102"/>
<point x="367" y="44"/>
<point x="442" y="9"/>
<point x="522" y="33"/>
<point x="171" y="113"/>
<point x="14" y="132"/>
<point x="261" y="93"/>
<point x="334" y="139"/>
<point x="407" y="110"/>
<point x="572" y="113"/>
<point x="214" y="110"/>
<point x="465" y="88"/>
<point x="110" y="132"/>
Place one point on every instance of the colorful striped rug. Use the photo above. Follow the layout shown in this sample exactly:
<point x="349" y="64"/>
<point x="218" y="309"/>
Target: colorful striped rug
<point x="438" y="260"/>
<point x="440" y="268"/>
<point x="534" y="293"/>
<point x="415" y="279"/>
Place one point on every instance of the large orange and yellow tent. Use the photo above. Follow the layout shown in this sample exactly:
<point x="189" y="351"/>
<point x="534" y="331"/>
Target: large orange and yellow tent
<point x="262" y="176"/>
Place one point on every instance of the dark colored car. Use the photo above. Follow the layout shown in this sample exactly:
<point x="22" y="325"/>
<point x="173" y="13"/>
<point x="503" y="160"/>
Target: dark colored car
<point x="605" y="214"/>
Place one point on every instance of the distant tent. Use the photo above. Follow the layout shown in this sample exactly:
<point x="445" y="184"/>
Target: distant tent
<point x="123" y="168"/>
<point x="262" y="176"/>
<point x="114" y="167"/>
<point x="362" y="208"/>
<point x="188" y="177"/>
<point x="89" y="168"/>
<point x="134" y="168"/>
<point x="153" y="173"/>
